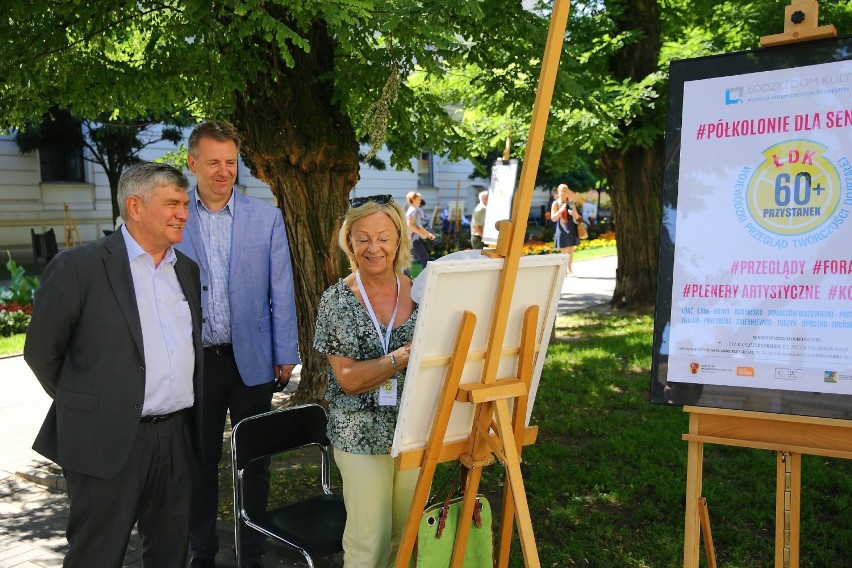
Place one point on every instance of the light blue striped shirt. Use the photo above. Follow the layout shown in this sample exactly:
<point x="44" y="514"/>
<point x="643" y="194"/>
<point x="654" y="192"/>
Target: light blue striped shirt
<point x="166" y="330"/>
<point x="216" y="228"/>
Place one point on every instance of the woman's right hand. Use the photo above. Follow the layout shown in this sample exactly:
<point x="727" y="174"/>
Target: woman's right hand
<point x="401" y="355"/>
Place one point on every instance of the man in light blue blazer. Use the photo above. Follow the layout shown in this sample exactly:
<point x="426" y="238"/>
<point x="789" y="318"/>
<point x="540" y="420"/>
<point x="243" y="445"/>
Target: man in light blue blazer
<point x="249" y="322"/>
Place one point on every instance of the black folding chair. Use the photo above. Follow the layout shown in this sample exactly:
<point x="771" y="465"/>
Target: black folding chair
<point x="313" y="527"/>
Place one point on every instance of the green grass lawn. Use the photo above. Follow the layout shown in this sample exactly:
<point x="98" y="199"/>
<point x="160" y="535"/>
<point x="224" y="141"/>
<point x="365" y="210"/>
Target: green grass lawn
<point x="12" y="345"/>
<point x="597" y="252"/>
<point x="606" y="478"/>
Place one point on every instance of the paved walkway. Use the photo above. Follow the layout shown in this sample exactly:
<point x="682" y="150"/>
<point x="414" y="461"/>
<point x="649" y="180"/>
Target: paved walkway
<point x="33" y="507"/>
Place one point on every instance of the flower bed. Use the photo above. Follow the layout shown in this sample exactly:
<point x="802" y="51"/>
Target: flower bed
<point x="604" y="240"/>
<point x="16" y="301"/>
<point x="14" y="318"/>
<point x="537" y="247"/>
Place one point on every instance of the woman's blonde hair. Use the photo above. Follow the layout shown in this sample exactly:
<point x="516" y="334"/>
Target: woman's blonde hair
<point x="396" y="214"/>
<point x="409" y="197"/>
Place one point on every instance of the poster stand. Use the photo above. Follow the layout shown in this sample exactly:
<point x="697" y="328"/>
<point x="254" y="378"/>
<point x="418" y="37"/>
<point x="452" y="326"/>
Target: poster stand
<point x="436" y="215"/>
<point x="789" y="436"/>
<point x="801" y="19"/>
<point x="494" y="430"/>
<point x="457" y="209"/>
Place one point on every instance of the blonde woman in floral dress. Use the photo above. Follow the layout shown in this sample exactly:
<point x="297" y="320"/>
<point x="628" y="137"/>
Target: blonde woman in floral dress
<point x="364" y="327"/>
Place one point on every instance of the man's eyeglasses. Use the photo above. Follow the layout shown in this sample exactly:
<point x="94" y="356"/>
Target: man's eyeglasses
<point x="356" y="202"/>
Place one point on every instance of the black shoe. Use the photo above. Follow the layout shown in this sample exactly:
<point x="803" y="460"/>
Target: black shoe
<point x="202" y="563"/>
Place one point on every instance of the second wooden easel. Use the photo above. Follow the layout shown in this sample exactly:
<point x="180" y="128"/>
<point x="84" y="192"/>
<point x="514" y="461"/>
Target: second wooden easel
<point x="72" y="235"/>
<point x="494" y="431"/>
<point x="789" y="437"/>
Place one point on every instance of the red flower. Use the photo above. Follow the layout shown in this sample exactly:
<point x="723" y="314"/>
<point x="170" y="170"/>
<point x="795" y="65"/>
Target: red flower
<point x="15" y="307"/>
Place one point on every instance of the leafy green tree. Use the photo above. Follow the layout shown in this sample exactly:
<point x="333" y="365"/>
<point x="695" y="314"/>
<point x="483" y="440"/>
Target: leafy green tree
<point x="303" y="82"/>
<point x="610" y="100"/>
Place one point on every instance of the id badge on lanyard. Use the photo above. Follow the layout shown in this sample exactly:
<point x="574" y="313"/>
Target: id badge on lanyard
<point x="388" y="389"/>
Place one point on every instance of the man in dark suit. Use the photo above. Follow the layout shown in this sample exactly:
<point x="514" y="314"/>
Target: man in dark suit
<point x="249" y="327"/>
<point x="115" y="340"/>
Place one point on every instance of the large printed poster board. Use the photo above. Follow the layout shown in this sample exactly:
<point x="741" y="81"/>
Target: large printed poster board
<point x="754" y="307"/>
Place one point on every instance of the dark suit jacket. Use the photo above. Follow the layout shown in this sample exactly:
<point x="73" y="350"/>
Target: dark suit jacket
<point x="84" y="345"/>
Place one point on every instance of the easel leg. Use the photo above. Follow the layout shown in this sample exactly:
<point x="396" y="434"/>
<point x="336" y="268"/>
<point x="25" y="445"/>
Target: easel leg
<point x="694" y="467"/>
<point x="526" y="362"/>
<point x="479" y="455"/>
<point x="507" y="523"/>
<point x="788" y="490"/>
<point x="436" y="438"/>
<point x="709" y="551"/>
<point x="471" y="488"/>
<point x="513" y="472"/>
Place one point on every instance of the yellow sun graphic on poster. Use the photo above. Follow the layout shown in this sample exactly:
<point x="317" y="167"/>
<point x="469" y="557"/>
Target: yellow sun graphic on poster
<point x="795" y="189"/>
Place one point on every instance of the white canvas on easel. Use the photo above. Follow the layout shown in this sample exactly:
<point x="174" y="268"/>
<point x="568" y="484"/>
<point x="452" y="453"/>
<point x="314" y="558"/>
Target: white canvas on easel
<point x="501" y="191"/>
<point x="451" y="288"/>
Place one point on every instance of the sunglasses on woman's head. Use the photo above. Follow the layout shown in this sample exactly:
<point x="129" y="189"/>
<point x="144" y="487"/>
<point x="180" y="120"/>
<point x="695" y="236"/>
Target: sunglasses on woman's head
<point x="380" y="199"/>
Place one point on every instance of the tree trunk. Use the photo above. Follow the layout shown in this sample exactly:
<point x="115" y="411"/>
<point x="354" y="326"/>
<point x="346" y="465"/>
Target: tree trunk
<point x="635" y="179"/>
<point x="634" y="173"/>
<point x="113" y="178"/>
<point x="297" y="140"/>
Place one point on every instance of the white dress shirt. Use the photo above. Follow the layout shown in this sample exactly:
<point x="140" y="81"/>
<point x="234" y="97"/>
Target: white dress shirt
<point x="216" y="230"/>
<point x="166" y="330"/>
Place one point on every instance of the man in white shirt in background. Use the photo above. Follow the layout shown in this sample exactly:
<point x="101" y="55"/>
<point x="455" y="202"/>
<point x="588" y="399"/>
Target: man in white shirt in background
<point x="477" y="221"/>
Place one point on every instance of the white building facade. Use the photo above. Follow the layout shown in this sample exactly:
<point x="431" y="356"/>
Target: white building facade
<point x="36" y="187"/>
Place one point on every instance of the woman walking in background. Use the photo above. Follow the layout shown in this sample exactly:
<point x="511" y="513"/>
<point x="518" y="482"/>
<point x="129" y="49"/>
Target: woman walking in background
<point x="418" y="233"/>
<point x="563" y="212"/>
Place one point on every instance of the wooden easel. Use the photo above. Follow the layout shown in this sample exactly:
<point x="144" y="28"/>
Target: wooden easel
<point x="456" y="212"/>
<point x="507" y="151"/>
<point x="454" y="219"/>
<point x="436" y="215"/>
<point x="72" y="236"/>
<point x="494" y="430"/>
<point x="789" y="436"/>
<point x="801" y="19"/>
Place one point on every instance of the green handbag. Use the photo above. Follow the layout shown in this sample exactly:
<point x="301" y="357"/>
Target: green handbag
<point x="436" y="535"/>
